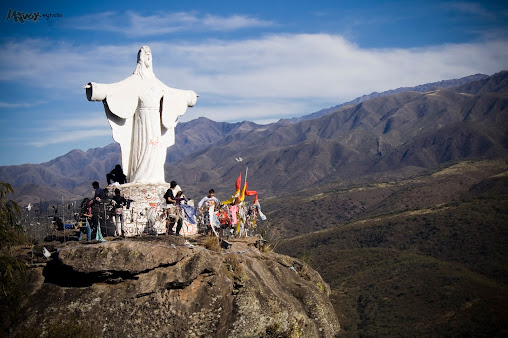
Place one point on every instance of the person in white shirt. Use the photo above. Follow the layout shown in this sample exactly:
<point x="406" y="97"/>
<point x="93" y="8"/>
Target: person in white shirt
<point x="209" y="200"/>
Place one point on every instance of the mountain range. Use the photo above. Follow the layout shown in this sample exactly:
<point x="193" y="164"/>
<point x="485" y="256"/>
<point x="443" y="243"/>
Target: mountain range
<point x="420" y="88"/>
<point x="391" y="134"/>
<point x="401" y="134"/>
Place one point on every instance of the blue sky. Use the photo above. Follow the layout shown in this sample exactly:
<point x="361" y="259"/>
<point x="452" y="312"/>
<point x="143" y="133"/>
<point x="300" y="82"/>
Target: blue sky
<point x="248" y="60"/>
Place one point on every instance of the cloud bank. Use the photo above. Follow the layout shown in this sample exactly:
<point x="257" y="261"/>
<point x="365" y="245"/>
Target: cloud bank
<point x="260" y="80"/>
<point x="134" y="25"/>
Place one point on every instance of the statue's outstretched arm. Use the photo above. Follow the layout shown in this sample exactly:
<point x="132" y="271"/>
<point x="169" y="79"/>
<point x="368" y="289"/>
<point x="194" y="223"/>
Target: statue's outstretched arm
<point x="97" y="91"/>
<point x="120" y="99"/>
<point x="174" y="104"/>
<point x="189" y="96"/>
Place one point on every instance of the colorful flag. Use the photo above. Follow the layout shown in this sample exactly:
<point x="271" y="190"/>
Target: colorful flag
<point x="242" y="194"/>
<point x="238" y="183"/>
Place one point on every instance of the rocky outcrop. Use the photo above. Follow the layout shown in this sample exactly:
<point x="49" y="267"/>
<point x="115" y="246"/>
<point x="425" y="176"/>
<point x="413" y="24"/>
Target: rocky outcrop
<point x="163" y="287"/>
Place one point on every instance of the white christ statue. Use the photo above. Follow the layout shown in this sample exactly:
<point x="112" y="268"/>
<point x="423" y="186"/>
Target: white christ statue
<point x="143" y="113"/>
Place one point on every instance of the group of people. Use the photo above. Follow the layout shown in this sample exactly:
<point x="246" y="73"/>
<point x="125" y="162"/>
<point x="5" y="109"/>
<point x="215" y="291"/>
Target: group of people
<point x="230" y="217"/>
<point x="221" y="218"/>
<point x="94" y="212"/>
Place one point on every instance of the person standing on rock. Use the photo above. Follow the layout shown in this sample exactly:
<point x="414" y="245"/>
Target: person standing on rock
<point x="98" y="193"/>
<point x="209" y="202"/>
<point x="84" y="217"/>
<point x="171" y="208"/>
<point x="170" y="194"/>
<point x="210" y="199"/>
<point x="179" y="200"/>
<point x="97" y="207"/>
<point x="119" y="201"/>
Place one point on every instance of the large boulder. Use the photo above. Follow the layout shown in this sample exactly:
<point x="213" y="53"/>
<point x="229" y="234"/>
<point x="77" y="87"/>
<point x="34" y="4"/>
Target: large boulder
<point x="163" y="287"/>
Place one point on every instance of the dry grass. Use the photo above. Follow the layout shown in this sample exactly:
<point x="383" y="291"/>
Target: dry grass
<point x="234" y="266"/>
<point x="266" y="248"/>
<point x="212" y="243"/>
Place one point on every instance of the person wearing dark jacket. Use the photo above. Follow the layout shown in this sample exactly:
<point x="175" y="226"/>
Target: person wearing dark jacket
<point x="172" y="210"/>
<point x="116" y="175"/>
<point x="85" y="219"/>
<point x="97" y="205"/>
<point x="170" y="194"/>
<point x="98" y="191"/>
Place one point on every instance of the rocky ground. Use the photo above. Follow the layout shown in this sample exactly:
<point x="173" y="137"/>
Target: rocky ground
<point x="170" y="286"/>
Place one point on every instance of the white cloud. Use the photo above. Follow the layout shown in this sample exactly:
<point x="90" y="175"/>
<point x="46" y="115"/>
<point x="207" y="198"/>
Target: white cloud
<point x="66" y="136"/>
<point x="49" y="131"/>
<point x="256" y="110"/>
<point x="157" y="24"/>
<point x="319" y="67"/>
<point x="86" y="121"/>
<point x="45" y="64"/>
<point x="233" y="22"/>
<point x="469" y="8"/>
<point x="273" y="76"/>
<point x="492" y="14"/>
<point x="135" y="25"/>
<point x="105" y="21"/>
<point x="21" y="104"/>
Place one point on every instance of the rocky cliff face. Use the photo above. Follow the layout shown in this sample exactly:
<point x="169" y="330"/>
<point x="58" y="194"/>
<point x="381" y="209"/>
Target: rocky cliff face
<point x="163" y="287"/>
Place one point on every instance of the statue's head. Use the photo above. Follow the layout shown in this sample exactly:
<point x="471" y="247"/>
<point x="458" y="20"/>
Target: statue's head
<point x="145" y="57"/>
<point x="144" y="66"/>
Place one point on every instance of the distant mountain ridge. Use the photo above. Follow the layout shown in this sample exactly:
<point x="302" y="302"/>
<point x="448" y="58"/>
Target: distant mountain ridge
<point x="70" y="175"/>
<point x="405" y="132"/>
<point x="420" y="88"/>
<point x="387" y="135"/>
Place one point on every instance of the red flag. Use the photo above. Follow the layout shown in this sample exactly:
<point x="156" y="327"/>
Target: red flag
<point x="238" y="182"/>
<point x="250" y="192"/>
<point x="237" y="193"/>
<point x="246" y="192"/>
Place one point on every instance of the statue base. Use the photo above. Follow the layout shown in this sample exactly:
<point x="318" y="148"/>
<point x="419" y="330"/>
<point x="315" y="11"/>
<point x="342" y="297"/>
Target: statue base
<point x="147" y="211"/>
